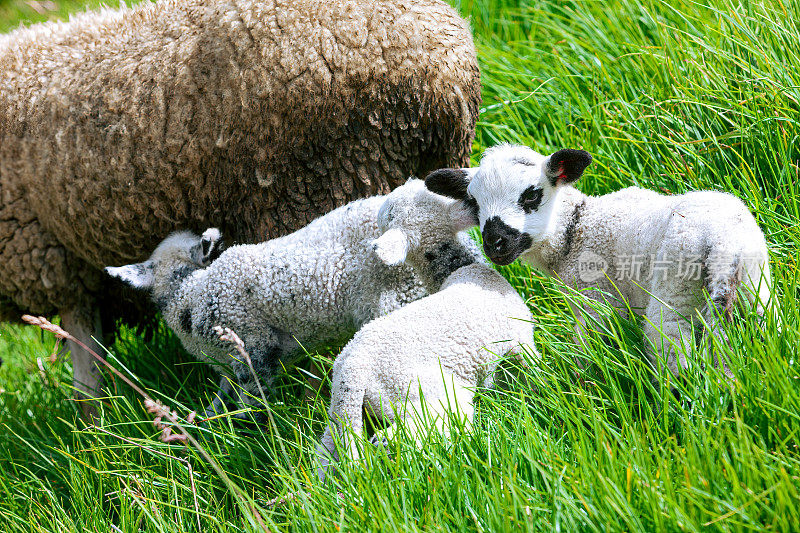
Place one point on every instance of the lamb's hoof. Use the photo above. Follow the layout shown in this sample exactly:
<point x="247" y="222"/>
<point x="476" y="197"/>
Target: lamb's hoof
<point x="205" y="421"/>
<point x="210" y="412"/>
<point x="326" y="467"/>
<point x="379" y="441"/>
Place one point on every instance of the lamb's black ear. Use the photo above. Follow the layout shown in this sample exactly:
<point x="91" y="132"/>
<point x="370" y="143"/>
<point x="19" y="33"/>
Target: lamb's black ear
<point x="209" y="248"/>
<point x="450" y="182"/>
<point x="566" y="166"/>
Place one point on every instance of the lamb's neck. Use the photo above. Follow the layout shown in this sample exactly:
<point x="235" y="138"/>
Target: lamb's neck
<point x="358" y="220"/>
<point x="169" y="282"/>
<point x="435" y="263"/>
<point x="550" y="251"/>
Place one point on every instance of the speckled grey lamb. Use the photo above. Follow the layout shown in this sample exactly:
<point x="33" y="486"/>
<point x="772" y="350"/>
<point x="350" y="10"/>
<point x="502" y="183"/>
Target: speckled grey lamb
<point x="652" y="252"/>
<point x="423" y="361"/>
<point x="254" y="116"/>
<point x="314" y="287"/>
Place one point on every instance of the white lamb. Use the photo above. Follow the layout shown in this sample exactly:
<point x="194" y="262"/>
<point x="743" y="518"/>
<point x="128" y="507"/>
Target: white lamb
<point x="309" y="289"/>
<point x="657" y="253"/>
<point x="423" y="361"/>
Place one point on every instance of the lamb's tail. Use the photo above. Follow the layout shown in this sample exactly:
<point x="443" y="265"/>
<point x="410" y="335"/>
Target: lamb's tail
<point x="729" y="276"/>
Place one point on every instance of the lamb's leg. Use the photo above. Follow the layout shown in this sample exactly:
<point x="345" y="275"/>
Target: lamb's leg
<point x="714" y="315"/>
<point x="522" y="355"/>
<point x="345" y="414"/>
<point x="519" y="354"/>
<point x="326" y="454"/>
<point x="221" y="398"/>
<point x="458" y="409"/>
<point x="253" y="379"/>
<point x="582" y="360"/>
<point x="84" y="324"/>
<point x="722" y="283"/>
<point x="668" y="336"/>
<point x="437" y="409"/>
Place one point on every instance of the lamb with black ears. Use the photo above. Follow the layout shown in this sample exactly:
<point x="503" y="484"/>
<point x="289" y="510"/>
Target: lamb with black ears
<point x="654" y="252"/>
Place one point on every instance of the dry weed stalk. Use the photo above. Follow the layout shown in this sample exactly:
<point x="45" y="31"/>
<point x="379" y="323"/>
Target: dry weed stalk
<point x="227" y="334"/>
<point x="161" y="411"/>
<point x="179" y="459"/>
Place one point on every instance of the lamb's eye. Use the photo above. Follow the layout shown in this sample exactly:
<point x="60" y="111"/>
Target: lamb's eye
<point x="530" y="198"/>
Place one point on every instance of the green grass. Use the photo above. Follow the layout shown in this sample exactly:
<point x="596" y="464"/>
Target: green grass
<point x="672" y="96"/>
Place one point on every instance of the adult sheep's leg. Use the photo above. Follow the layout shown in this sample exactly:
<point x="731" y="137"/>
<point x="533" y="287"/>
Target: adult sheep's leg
<point x="38" y="275"/>
<point x="86" y="374"/>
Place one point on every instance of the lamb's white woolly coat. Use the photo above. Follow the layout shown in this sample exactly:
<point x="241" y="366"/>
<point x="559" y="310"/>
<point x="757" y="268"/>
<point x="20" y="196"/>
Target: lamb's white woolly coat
<point x="319" y="284"/>
<point x="422" y="362"/>
<point x="312" y="288"/>
<point x="635" y="247"/>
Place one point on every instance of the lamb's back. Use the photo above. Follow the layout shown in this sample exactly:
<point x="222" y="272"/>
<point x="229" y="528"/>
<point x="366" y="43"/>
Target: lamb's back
<point x="476" y="308"/>
<point x="308" y="284"/>
<point x="633" y="221"/>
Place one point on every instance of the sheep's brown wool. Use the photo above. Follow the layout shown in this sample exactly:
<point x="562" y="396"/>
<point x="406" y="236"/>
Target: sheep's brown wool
<point x="255" y="116"/>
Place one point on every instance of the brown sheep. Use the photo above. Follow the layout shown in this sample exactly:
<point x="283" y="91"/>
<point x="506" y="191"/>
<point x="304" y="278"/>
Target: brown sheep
<point x="255" y="116"/>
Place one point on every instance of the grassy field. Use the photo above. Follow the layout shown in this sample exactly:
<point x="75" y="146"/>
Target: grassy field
<point x="672" y="96"/>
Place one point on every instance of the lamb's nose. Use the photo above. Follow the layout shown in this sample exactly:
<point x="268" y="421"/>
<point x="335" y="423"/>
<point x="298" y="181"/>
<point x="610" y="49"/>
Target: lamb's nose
<point x="502" y="243"/>
<point x="499" y="243"/>
<point x="496" y="238"/>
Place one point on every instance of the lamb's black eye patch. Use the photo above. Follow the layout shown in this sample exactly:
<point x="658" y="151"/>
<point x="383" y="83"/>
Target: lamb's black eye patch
<point x="530" y="198"/>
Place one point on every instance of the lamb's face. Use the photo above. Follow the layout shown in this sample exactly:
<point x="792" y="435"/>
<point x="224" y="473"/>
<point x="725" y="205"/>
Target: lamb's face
<point x="179" y="251"/>
<point x="513" y="193"/>
<point x="412" y="218"/>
